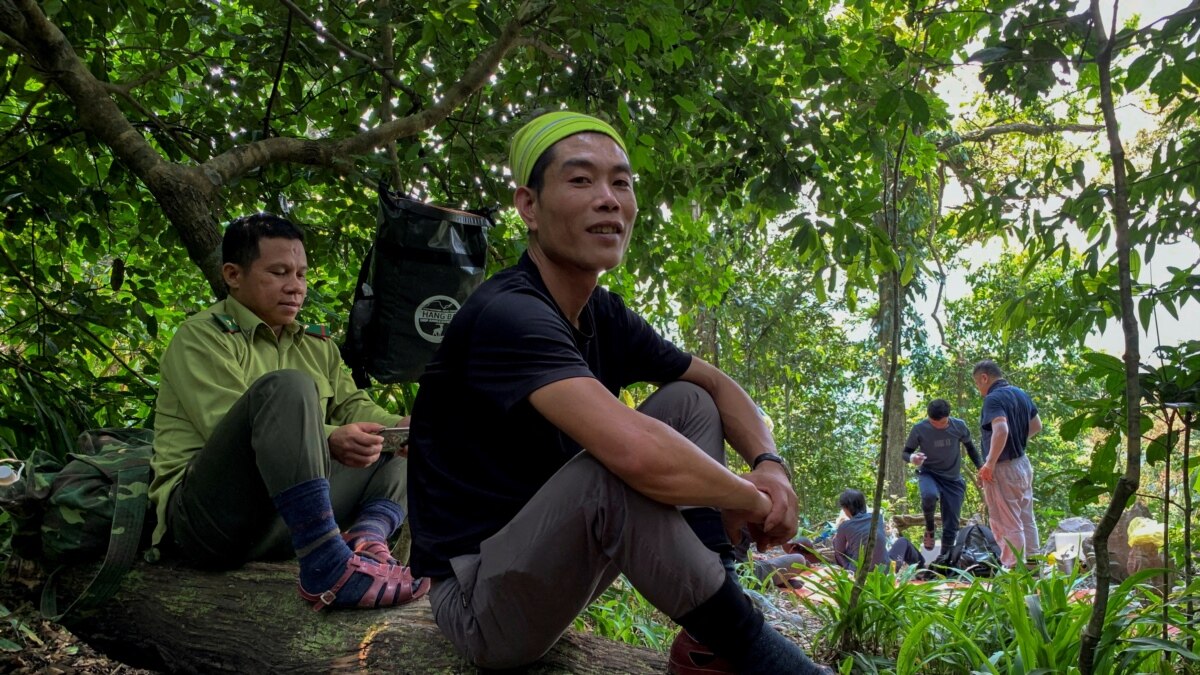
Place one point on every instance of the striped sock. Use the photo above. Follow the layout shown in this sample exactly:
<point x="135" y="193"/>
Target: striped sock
<point x="377" y="520"/>
<point x="323" y="555"/>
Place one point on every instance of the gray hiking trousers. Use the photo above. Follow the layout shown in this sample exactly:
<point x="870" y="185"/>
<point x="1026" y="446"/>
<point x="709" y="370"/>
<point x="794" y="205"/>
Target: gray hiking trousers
<point x="508" y="604"/>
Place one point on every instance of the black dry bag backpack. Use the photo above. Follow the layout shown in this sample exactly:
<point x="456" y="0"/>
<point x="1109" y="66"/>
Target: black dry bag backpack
<point x="975" y="551"/>
<point x="424" y="263"/>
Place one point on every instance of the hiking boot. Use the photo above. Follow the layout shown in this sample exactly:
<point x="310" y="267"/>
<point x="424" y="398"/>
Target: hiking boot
<point x="689" y="657"/>
<point x="928" y="541"/>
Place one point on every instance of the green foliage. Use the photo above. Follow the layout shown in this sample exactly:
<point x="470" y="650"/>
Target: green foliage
<point x="789" y="157"/>
<point x="16" y="627"/>
<point x="1013" y="623"/>
<point x="622" y="614"/>
<point x="877" y="624"/>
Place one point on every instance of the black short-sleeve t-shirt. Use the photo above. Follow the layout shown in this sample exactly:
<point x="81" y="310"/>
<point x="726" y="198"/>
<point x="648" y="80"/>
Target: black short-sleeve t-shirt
<point x="479" y="450"/>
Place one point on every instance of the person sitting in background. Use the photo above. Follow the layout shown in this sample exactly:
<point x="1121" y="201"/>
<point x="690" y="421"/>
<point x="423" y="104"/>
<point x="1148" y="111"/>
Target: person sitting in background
<point x="852" y="534"/>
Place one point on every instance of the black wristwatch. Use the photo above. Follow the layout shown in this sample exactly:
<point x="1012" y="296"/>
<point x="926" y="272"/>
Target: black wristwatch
<point x="770" y="457"/>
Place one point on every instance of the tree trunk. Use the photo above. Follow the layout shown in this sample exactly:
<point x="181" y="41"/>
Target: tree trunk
<point x="891" y="304"/>
<point x="177" y="619"/>
<point x="1128" y="483"/>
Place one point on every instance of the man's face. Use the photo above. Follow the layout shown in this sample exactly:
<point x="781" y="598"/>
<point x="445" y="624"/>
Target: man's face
<point x="274" y="285"/>
<point x="982" y="382"/>
<point x="583" y="218"/>
<point x="940" y="424"/>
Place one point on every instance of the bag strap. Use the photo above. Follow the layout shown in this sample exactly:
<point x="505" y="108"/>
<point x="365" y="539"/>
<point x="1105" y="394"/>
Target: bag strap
<point x="123" y="539"/>
<point x="354" y="347"/>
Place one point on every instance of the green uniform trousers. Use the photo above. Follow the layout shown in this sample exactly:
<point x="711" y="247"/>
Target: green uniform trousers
<point x="221" y="514"/>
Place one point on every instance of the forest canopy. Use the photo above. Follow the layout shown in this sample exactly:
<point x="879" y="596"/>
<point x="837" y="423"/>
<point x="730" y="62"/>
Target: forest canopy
<point x="810" y="174"/>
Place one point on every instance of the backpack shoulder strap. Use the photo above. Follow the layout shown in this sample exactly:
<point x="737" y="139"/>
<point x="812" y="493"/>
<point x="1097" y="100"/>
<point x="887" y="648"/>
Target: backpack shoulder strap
<point x="129" y="515"/>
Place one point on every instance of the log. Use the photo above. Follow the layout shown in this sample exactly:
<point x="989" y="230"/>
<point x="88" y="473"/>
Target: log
<point x="903" y="521"/>
<point x="172" y="618"/>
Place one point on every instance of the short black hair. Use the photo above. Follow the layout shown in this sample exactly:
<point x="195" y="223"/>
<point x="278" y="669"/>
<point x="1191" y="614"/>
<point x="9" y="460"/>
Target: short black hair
<point x="853" y="501"/>
<point x="938" y="409"/>
<point x="987" y="367"/>
<point x="240" y="243"/>
<point x="537" y="175"/>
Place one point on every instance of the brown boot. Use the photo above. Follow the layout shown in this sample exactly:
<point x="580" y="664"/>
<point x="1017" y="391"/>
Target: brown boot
<point x="689" y="657"/>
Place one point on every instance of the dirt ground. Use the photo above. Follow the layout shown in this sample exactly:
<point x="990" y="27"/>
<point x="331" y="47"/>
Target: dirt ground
<point x="30" y="644"/>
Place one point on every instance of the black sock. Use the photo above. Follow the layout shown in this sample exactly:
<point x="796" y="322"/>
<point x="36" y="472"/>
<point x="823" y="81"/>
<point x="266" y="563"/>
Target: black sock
<point x="730" y="625"/>
<point x="726" y="623"/>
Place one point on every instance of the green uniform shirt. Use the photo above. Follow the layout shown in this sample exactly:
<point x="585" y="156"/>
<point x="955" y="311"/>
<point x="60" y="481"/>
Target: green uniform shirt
<point x="213" y="360"/>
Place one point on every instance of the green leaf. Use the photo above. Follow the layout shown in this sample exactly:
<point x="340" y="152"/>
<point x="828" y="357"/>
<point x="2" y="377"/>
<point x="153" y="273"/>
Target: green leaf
<point x="1105" y="362"/>
<point x="887" y="105"/>
<point x="179" y="33"/>
<point x="9" y="646"/>
<point x="917" y="106"/>
<point x="1104" y="457"/>
<point x="1083" y="492"/>
<point x="910" y="266"/>
<point x="1191" y="70"/>
<point x="685" y="103"/>
<point x="1145" y="309"/>
<point x="1139" y="71"/>
<point x="1144" y="644"/>
<point x="989" y="54"/>
<point x="1071" y="428"/>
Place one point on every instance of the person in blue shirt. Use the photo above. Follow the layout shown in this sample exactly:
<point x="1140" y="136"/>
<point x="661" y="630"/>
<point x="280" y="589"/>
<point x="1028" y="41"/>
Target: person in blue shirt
<point x="1007" y="422"/>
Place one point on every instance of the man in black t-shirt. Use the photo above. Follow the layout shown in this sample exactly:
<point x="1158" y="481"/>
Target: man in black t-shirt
<point x="518" y="526"/>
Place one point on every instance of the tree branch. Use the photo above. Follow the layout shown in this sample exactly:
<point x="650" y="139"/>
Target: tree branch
<point x="1015" y="128"/>
<point x="287" y="41"/>
<point x="24" y="21"/>
<point x="333" y="40"/>
<point x="16" y="128"/>
<point x="329" y="152"/>
<point x="543" y="48"/>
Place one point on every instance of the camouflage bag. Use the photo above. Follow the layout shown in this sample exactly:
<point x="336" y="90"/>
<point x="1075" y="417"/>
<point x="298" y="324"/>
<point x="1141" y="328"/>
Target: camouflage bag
<point x="89" y="508"/>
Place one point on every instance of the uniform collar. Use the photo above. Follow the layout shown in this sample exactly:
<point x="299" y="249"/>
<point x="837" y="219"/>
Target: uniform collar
<point x="249" y="322"/>
<point x="997" y="384"/>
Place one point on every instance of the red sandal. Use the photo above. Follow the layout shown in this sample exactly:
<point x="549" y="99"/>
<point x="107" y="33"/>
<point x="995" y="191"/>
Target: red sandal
<point x="391" y="586"/>
<point x="370" y="548"/>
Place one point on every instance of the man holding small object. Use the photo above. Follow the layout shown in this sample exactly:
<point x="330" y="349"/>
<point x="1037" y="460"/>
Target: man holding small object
<point x="519" y="525"/>
<point x="933" y="447"/>
<point x="263" y="444"/>
<point x="395" y="440"/>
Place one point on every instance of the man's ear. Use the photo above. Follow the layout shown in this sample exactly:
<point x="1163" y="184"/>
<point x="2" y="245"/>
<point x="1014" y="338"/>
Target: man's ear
<point x="524" y="200"/>
<point x="233" y="276"/>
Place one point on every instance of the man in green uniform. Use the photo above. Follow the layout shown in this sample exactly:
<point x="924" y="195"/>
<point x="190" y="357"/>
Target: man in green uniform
<point x="263" y="444"/>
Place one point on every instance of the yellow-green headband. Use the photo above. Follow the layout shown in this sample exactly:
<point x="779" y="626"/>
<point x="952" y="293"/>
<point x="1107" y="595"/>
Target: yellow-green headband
<point x="544" y="131"/>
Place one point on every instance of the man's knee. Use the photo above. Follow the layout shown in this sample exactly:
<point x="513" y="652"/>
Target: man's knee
<point x="688" y="396"/>
<point x="929" y="502"/>
<point x="287" y="382"/>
